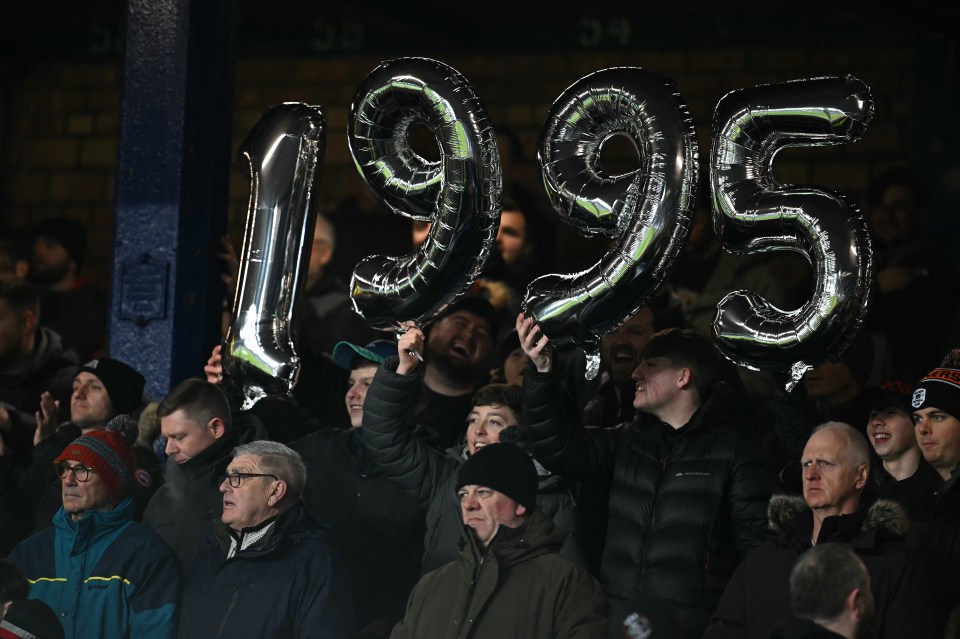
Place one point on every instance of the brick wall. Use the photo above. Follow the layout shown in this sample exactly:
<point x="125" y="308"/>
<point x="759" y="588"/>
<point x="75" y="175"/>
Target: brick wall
<point x="61" y="117"/>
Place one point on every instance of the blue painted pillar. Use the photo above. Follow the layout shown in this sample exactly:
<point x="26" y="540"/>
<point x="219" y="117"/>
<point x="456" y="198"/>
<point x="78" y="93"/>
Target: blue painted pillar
<point x="172" y="186"/>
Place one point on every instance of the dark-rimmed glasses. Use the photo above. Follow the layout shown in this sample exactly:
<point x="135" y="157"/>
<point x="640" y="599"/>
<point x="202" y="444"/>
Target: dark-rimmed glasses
<point x="81" y="472"/>
<point x="235" y="478"/>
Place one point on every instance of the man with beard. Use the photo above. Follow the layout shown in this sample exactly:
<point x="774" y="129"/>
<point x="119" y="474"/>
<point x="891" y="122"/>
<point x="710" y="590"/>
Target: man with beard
<point x="456" y="349"/>
<point x="68" y="305"/>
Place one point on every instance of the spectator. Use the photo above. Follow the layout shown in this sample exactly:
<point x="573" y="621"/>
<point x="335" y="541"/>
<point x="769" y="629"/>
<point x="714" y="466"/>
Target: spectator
<point x="77" y="311"/>
<point x="456" y="348"/>
<point x="508" y="581"/>
<point x="911" y="273"/>
<point x="836" y="466"/>
<point x="327" y="315"/>
<point x="268" y="571"/>
<point x="891" y="433"/>
<point x="32" y="360"/>
<point x="102" y="390"/>
<point x="427" y="474"/>
<point x="377" y="528"/>
<point x="830" y="595"/>
<point x="94" y="541"/>
<point x="687" y="489"/>
<point x="934" y="497"/>
<point x="200" y="432"/>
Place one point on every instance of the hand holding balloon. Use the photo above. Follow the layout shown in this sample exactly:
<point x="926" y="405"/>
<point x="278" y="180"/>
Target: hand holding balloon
<point x="647" y="210"/>
<point x="535" y="344"/>
<point x="409" y="348"/>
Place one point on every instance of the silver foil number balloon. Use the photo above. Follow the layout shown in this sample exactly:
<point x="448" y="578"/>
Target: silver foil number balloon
<point x="753" y="213"/>
<point x="460" y="193"/>
<point x="647" y="211"/>
<point x="283" y="153"/>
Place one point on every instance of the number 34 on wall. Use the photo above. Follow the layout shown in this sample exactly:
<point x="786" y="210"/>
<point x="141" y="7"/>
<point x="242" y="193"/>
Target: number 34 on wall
<point x="646" y="212"/>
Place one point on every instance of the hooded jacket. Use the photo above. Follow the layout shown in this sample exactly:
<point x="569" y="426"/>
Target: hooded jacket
<point x="103" y="575"/>
<point x="184" y="507"/>
<point x="518" y="587"/>
<point x="758" y="597"/>
<point x="287" y="585"/>
<point x="685" y="504"/>
<point x="430" y="476"/>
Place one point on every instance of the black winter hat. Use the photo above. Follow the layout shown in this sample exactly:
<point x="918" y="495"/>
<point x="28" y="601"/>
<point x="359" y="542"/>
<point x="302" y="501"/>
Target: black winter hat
<point x="30" y="619"/>
<point x="123" y="383"/>
<point x="506" y="468"/>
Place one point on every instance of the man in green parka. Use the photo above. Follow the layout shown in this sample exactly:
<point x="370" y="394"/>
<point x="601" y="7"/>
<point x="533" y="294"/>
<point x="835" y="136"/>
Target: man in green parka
<point x="509" y="580"/>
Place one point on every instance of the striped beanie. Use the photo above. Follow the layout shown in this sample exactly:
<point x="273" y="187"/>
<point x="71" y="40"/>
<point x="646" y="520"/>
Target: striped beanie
<point x="940" y="388"/>
<point x="109" y="455"/>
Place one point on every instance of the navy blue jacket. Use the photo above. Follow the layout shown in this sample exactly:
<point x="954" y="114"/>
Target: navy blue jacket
<point x="287" y="585"/>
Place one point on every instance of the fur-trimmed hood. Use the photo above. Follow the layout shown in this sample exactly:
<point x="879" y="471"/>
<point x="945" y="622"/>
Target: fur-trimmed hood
<point x="883" y="516"/>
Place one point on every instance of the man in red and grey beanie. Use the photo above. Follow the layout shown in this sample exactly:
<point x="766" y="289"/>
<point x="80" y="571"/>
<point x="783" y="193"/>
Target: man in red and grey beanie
<point x="136" y="575"/>
<point x="106" y="460"/>
<point x="102" y="389"/>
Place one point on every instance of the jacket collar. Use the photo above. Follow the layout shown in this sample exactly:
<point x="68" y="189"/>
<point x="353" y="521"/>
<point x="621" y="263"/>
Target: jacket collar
<point x="94" y="525"/>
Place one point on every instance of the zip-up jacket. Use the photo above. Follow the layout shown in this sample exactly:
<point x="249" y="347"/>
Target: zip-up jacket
<point x="104" y="575"/>
<point x="286" y="585"/>
<point x="517" y="588"/>
<point x="686" y="504"/>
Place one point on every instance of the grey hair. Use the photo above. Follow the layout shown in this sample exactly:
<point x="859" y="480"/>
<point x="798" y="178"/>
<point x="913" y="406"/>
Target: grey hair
<point x="859" y="451"/>
<point x="285" y="462"/>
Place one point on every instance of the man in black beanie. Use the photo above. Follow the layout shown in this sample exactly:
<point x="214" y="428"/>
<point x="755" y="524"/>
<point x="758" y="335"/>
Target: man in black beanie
<point x="509" y="579"/>
<point x="935" y="497"/>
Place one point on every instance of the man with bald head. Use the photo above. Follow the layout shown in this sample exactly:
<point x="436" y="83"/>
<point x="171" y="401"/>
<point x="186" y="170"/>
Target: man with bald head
<point x="836" y="467"/>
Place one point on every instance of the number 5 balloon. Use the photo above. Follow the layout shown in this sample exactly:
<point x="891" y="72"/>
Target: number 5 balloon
<point x="460" y="194"/>
<point x="753" y="213"/>
<point x="646" y="210"/>
<point x="284" y="153"/>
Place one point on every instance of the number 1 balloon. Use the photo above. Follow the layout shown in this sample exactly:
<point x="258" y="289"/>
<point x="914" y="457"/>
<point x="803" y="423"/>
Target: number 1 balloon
<point x="753" y="213"/>
<point x="647" y="210"/>
<point x="283" y="153"/>
<point x="460" y="194"/>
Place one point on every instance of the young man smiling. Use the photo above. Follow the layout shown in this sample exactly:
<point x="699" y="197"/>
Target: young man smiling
<point x="687" y="489"/>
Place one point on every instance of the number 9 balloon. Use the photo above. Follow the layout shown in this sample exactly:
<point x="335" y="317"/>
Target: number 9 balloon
<point x="646" y="210"/>
<point x="284" y="153"/>
<point x="460" y="194"/>
<point x="753" y="213"/>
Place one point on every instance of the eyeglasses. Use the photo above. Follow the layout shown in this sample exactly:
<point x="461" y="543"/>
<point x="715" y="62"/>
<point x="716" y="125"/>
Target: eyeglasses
<point x="235" y="477"/>
<point x="81" y="472"/>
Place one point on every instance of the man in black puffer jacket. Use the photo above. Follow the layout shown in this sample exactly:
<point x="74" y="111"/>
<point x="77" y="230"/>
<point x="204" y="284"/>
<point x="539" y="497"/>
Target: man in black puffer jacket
<point x="835" y="471"/>
<point x="688" y="491"/>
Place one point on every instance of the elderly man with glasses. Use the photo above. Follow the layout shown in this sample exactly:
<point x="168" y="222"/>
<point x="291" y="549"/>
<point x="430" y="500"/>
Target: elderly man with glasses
<point x="268" y="570"/>
<point x="103" y="574"/>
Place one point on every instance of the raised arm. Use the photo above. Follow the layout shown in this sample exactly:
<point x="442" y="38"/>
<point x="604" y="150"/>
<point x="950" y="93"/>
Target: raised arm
<point x="388" y="429"/>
